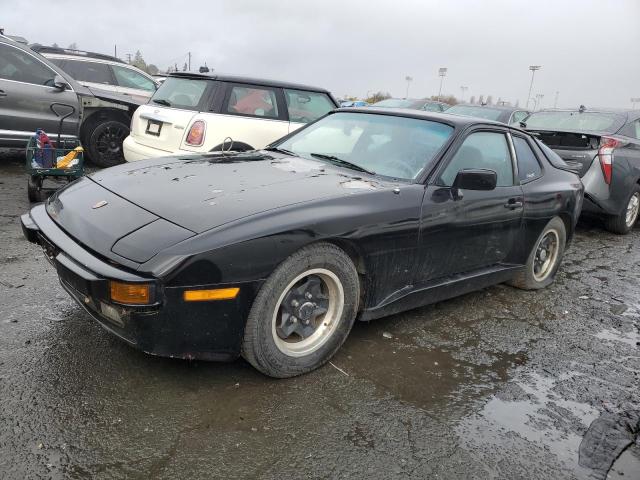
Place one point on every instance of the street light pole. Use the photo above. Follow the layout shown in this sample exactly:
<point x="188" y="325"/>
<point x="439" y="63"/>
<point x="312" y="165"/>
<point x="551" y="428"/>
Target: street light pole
<point x="464" y="89"/>
<point x="409" y="80"/>
<point x="443" y="73"/>
<point x="533" y="69"/>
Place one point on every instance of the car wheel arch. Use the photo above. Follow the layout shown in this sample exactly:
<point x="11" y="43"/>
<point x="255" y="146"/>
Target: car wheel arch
<point x="101" y="115"/>
<point x="238" y="146"/>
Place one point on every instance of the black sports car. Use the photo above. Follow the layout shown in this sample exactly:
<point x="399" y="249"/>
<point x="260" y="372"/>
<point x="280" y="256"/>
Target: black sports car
<point x="273" y="254"/>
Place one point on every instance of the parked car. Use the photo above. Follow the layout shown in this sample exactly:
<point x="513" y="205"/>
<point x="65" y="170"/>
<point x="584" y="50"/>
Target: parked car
<point x="194" y="113"/>
<point x="499" y="113"/>
<point x="603" y="146"/>
<point x="413" y="104"/>
<point x="101" y="71"/>
<point x="30" y="84"/>
<point x="354" y="103"/>
<point x="273" y="254"/>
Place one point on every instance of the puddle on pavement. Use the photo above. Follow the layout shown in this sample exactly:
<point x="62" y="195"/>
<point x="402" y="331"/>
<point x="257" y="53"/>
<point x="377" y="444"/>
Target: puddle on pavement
<point x="430" y="378"/>
<point x="630" y="338"/>
<point x="535" y="414"/>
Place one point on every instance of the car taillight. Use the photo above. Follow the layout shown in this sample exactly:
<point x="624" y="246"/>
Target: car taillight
<point x="605" y="155"/>
<point x="195" y="137"/>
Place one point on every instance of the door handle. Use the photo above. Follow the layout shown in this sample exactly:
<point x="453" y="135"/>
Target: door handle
<point x="514" y="203"/>
<point x="3" y="93"/>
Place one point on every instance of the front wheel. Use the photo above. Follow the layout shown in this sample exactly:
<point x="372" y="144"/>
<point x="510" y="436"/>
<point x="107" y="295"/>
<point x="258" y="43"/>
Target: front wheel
<point x="624" y="222"/>
<point x="544" y="259"/>
<point x="303" y="312"/>
<point x="34" y="189"/>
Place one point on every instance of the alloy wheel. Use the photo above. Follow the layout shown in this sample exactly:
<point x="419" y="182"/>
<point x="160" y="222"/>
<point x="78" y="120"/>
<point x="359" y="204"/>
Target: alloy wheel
<point x="308" y="312"/>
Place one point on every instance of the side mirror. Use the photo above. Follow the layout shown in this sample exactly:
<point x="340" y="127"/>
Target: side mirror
<point x="473" y="179"/>
<point x="60" y="83"/>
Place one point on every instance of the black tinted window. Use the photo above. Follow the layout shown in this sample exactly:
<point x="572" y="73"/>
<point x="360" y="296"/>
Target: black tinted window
<point x="21" y="67"/>
<point x="89" y="71"/>
<point x="528" y="166"/>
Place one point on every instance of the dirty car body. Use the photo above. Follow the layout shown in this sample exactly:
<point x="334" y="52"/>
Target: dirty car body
<point x="226" y="221"/>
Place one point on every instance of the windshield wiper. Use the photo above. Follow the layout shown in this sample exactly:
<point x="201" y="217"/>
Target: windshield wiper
<point x="281" y="150"/>
<point x="340" y="161"/>
<point x="162" y="101"/>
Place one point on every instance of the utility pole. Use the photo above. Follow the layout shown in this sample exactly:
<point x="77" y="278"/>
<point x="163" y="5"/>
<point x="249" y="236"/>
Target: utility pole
<point x="129" y="58"/>
<point x="115" y="51"/>
<point x="464" y="89"/>
<point x="189" y="61"/>
<point x="442" y="72"/>
<point x="539" y="97"/>
<point x="409" y="80"/>
<point x="555" y="102"/>
<point x="533" y="69"/>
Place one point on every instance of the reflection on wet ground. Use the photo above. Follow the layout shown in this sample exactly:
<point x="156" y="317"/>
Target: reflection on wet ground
<point x="499" y="383"/>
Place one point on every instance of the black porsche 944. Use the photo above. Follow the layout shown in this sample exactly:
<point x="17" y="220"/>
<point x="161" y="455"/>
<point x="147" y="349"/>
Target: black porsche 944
<point x="273" y="254"/>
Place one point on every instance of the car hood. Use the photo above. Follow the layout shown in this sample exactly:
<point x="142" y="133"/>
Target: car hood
<point x="200" y="192"/>
<point x="133" y="211"/>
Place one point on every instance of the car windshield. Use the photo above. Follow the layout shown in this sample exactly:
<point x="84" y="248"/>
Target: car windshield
<point x="399" y="103"/>
<point x="392" y="146"/>
<point x="180" y="92"/>
<point x="582" y="122"/>
<point x="479" y="111"/>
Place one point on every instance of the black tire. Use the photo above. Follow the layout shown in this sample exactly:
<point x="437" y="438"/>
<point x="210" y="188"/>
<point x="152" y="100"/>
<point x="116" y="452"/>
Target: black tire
<point x="259" y="345"/>
<point x="104" y="142"/>
<point x="527" y="278"/>
<point x="618" y="224"/>
<point x="34" y="192"/>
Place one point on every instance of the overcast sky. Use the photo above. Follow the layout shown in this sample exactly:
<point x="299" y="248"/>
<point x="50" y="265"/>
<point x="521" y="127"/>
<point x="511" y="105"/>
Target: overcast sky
<point x="589" y="50"/>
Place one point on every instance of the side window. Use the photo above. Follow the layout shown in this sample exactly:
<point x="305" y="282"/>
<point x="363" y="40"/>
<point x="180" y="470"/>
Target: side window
<point x="518" y="117"/>
<point x="528" y="166"/>
<point x="128" y="78"/>
<point x="254" y="101"/>
<point x="486" y="150"/>
<point x="89" y="72"/>
<point x="21" y="67"/>
<point x="305" y="107"/>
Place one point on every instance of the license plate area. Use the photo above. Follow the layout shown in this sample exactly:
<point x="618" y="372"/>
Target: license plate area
<point x="153" y="128"/>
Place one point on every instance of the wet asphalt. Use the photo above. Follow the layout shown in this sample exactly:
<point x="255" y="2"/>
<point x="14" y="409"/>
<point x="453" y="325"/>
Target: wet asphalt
<point x="500" y="383"/>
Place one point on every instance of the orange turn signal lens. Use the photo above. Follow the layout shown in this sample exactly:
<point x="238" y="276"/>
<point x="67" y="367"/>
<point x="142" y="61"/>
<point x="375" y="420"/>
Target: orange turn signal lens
<point x="130" y="293"/>
<point x="206" y="295"/>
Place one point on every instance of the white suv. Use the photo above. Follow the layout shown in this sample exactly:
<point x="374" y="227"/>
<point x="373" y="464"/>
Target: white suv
<point x="193" y="112"/>
<point x="104" y="72"/>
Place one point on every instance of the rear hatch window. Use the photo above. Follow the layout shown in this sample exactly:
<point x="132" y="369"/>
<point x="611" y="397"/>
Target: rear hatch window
<point x="184" y="93"/>
<point x="575" y="121"/>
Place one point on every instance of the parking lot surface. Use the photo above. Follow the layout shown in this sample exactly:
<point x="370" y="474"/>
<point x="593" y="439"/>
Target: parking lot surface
<point x="501" y="383"/>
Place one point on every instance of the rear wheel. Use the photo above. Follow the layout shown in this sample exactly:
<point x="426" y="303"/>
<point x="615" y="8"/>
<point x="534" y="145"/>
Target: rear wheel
<point x="303" y="312"/>
<point x="104" y="142"/>
<point x="544" y="259"/>
<point x="624" y="222"/>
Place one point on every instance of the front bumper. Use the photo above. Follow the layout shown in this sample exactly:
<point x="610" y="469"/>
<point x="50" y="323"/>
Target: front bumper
<point x="170" y="327"/>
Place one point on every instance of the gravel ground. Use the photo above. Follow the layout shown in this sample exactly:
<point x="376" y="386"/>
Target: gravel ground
<point x="500" y="383"/>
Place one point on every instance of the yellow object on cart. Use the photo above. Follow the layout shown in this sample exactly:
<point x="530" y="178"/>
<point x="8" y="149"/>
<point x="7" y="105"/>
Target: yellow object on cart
<point x="66" y="161"/>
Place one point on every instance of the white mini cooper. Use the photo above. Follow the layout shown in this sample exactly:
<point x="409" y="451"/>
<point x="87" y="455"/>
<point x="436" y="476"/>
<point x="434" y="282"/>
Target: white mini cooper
<point x="194" y="113"/>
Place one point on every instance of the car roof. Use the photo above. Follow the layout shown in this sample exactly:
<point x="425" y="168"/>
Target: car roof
<point x="505" y="108"/>
<point x="456" y="120"/>
<point x="72" y="53"/>
<point x="223" y="77"/>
